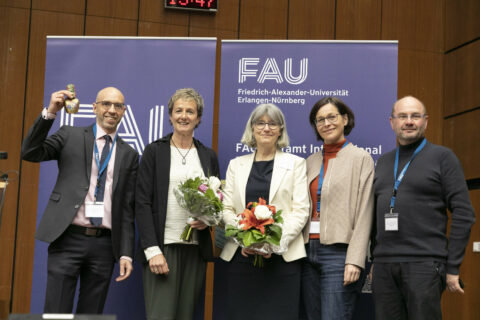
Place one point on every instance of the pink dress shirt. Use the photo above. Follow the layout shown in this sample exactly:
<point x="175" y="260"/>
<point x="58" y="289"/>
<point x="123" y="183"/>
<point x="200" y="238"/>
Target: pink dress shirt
<point x="80" y="218"/>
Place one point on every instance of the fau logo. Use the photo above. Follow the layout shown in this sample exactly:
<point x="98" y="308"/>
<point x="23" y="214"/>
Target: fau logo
<point x="127" y="129"/>
<point x="248" y="67"/>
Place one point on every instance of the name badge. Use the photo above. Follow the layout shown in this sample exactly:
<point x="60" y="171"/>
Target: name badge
<point x="315" y="227"/>
<point x="94" y="209"/>
<point x="391" y="221"/>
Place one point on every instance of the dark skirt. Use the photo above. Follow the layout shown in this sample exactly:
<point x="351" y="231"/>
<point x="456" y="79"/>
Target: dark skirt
<point x="174" y="296"/>
<point x="270" y="292"/>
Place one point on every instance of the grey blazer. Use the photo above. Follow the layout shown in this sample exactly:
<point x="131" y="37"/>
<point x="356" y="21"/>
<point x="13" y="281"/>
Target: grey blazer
<point x="72" y="147"/>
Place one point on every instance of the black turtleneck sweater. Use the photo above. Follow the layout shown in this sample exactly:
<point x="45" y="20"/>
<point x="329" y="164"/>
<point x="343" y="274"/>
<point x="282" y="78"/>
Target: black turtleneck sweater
<point x="433" y="183"/>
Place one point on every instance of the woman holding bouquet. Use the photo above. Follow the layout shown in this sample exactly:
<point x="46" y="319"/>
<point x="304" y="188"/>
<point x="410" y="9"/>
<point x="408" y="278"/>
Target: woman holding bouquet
<point x="340" y="178"/>
<point x="272" y="291"/>
<point x="173" y="270"/>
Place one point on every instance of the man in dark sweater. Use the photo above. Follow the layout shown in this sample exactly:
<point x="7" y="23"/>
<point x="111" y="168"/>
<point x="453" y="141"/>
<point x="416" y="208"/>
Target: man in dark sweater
<point x="415" y="184"/>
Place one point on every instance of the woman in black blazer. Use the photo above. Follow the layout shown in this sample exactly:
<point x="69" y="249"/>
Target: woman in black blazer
<point x="173" y="270"/>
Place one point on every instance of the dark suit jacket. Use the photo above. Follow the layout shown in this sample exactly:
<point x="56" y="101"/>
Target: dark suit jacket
<point x="72" y="147"/>
<point x="151" y="194"/>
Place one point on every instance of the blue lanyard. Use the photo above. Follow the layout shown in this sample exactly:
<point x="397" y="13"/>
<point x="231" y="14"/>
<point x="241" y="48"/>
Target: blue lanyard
<point x="97" y="157"/>
<point x="402" y="173"/>
<point x="320" y="178"/>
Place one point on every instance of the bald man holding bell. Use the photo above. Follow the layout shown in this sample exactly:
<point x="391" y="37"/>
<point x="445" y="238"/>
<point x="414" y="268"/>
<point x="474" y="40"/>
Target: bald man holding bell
<point x="89" y="218"/>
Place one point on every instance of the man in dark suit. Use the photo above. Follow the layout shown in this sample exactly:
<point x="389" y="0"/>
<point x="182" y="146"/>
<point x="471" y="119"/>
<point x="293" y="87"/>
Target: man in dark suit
<point x="89" y="219"/>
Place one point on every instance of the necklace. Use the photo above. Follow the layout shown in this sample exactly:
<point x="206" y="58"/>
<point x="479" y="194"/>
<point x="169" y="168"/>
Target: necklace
<point x="184" y="157"/>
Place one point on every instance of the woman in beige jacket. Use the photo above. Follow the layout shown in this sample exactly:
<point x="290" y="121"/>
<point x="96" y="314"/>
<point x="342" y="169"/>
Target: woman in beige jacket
<point x="340" y="179"/>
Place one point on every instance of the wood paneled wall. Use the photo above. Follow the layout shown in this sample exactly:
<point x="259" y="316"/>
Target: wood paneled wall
<point x="462" y="79"/>
<point x="461" y="111"/>
<point x="439" y="62"/>
<point x="457" y="306"/>
<point x="462" y="23"/>
<point x="14" y="33"/>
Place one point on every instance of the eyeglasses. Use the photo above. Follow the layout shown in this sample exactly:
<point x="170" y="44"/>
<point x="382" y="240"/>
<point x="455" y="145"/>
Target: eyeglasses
<point x="405" y="117"/>
<point x="321" y="121"/>
<point x="260" y="125"/>
<point x="106" y="105"/>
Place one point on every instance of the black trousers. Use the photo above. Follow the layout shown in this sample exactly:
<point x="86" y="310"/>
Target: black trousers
<point x="408" y="290"/>
<point x="73" y="256"/>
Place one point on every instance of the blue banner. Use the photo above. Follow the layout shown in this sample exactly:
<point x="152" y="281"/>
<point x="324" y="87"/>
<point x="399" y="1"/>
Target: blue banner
<point x="148" y="71"/>
<point x="294" y="75"/>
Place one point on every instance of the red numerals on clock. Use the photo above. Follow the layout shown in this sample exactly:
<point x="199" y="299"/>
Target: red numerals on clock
<point x="193" y="3"/>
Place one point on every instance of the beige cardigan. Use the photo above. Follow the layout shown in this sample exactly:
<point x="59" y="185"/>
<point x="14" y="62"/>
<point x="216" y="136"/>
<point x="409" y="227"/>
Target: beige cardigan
<point x="346" y="209"/>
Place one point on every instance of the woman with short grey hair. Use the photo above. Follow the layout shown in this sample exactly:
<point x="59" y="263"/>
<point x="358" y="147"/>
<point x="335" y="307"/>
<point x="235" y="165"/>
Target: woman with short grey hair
<point x="173" y="268"/>
<point x="280" y="178"/>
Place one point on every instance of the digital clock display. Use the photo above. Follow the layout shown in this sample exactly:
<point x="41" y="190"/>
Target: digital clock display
<point x="198" y="5"/>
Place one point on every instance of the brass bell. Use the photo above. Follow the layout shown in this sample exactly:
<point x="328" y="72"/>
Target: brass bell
<point x="72" y="105"/>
